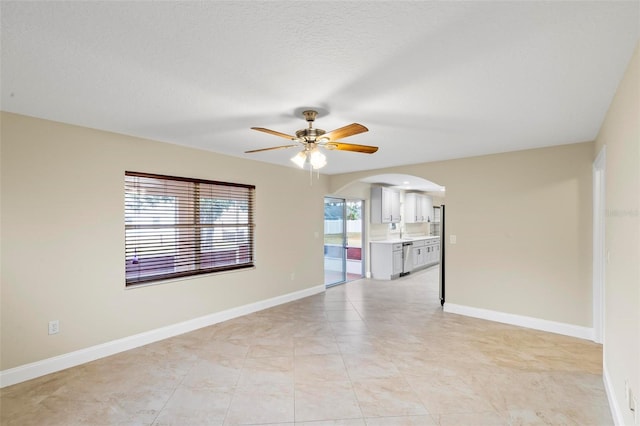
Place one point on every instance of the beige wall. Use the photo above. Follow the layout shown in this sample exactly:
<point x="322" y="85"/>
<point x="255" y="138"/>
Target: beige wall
<point x="63" y="237"/>
<point x="620" y="133"/>
<point x="523" y="223"/>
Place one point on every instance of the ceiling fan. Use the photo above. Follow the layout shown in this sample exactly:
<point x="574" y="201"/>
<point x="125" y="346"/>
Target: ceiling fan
<point x="313" y="139"/>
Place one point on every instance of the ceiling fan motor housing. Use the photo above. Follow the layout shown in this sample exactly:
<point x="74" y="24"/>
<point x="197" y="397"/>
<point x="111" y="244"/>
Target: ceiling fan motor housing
<point x="310" y="115"/>
<point x="310" y="135"/>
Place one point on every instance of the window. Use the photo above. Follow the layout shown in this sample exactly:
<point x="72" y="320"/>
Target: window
<point x="176" y="227"/>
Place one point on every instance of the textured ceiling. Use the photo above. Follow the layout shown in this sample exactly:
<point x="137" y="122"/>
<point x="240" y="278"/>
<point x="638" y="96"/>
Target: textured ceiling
<point x="431" y="80"/>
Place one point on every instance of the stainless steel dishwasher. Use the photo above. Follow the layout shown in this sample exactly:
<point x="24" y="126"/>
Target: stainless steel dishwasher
<point x="407" y="258"/>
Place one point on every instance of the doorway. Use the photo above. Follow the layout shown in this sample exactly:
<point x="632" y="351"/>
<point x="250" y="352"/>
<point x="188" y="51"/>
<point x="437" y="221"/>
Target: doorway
<point x="343" y="240"/>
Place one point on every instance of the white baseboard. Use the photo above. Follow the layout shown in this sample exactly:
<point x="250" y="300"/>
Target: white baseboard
<point x="51" y="365"/>
<point x="522" y="321"/>
<point x="616" y="412"/>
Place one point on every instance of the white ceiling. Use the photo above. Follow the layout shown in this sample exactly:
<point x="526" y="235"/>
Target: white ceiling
<point x="431" y="80"/>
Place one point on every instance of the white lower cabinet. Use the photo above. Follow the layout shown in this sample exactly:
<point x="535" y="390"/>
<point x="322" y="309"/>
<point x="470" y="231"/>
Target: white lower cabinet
<point x="426" y="253"/>
<point x="387" y="257"/>
<point x="433" y="252"/>
<point x="419" y="251"/>
<point x="397" y="260"/>
<point x="386" y="260"/>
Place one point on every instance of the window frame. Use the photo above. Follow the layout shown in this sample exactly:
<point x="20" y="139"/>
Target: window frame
<point x="190" y="234"/>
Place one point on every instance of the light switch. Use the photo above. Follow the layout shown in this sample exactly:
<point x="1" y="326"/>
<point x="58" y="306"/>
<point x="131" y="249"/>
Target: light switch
<point x="452" y="239"/>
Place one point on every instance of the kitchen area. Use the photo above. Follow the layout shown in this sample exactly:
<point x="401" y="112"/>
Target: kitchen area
<point x="404" y="232"/>
<point x="394" y="231"/>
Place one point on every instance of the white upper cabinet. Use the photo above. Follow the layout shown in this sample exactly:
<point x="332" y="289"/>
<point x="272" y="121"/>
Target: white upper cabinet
<point x="418" y="208"/>
<point x="385" y="205"/>
<point x="410" y="207"/>
<point x="427" y="208"/>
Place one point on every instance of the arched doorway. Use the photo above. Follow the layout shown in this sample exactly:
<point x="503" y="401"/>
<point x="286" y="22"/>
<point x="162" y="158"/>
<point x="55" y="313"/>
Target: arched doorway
<point x="403" y="228"/>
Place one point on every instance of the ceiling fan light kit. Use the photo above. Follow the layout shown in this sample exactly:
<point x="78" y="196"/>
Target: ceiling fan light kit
<point x="314" y="157"/>
<point x="313" y="139"/>
<point x="300" y="159"/>
<point x="317" y="159"/>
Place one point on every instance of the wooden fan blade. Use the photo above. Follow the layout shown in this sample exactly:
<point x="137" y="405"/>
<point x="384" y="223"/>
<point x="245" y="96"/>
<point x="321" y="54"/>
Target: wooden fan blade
<point x="273" y="132"/>
<point x="365" y="149"/>
<point x="343" y="132"/>
<point x="269" y="149"/>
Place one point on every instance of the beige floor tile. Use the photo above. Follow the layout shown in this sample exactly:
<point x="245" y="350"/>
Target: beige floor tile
<point x="593" y="416"/>
<point x="490" y="418"/>
<point x="345" y="315"/>
<point x="189" y="406"/>
<point x="401" y="421"/>
<point x="325" y="401"/>
<point x="267" y="370"/>
<point x="349" y="328"/>
<point x="516" y="391"/>
<point x="342" y="305"/>
<point x="452" y="394"/>
<point x="231" y="348"/>
<point x="367" y="353"/>
<point x="315" y="345"/>
<point x="276" y="348"/>
<point x="359" y="345"/>
<point x="313" y="329"/>
<point x="340" y="422"/>
<point x="387" y="397"/>
<point x="38" y="389"/>
<point x="216" y="373"/>
<point x="320" y="368"/>
<point x="370" y="366"/>
<point x="262" y="404"/>
<point x="59" y="411"/>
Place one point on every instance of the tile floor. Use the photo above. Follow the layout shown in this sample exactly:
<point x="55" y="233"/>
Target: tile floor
<point x="367" y="353"/>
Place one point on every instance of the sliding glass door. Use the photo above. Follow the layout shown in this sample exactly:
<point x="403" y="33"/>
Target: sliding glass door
<point x="342" y="240"/>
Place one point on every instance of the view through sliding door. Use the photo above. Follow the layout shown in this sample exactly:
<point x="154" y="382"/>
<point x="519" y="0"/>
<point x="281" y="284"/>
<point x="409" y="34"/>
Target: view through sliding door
<point x="342" y="240"/>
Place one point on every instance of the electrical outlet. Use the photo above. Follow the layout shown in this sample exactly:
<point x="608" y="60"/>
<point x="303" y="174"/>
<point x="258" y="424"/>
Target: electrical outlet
<point x="293" y="276"/>
<point x="54" y="327"/>
<point x="453" y="239"/>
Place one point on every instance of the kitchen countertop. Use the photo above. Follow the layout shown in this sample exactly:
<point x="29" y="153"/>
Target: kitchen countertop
<point x="406" y="239"/>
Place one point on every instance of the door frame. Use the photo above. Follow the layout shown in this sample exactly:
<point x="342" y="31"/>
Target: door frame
<point x="599" y="250"/>
<point x="342" y="250"/>
<point x="345" y="241"/>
